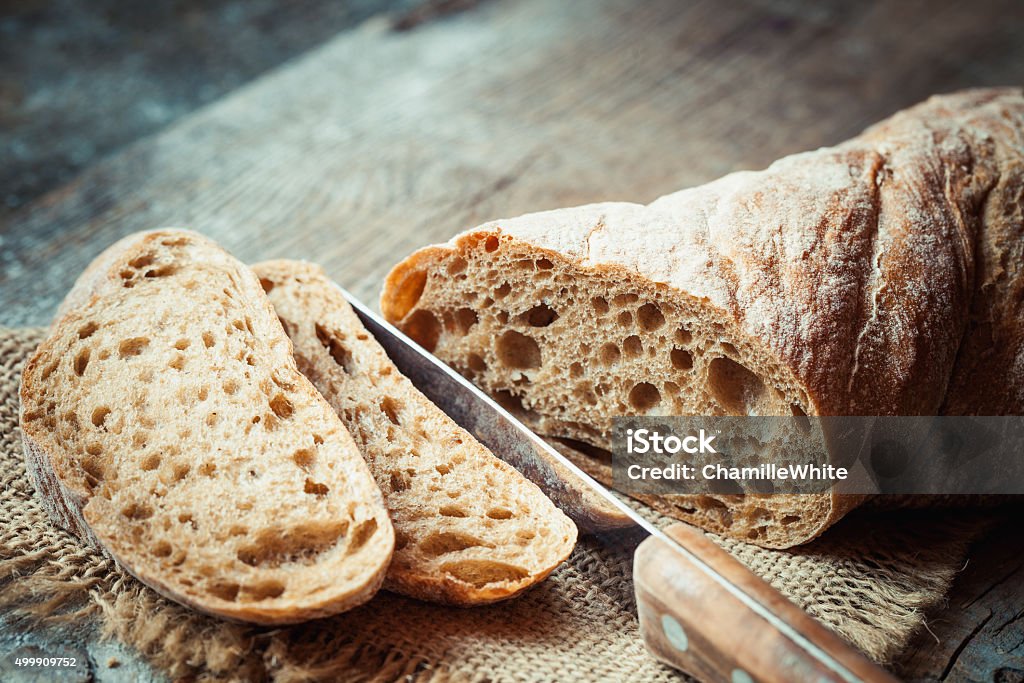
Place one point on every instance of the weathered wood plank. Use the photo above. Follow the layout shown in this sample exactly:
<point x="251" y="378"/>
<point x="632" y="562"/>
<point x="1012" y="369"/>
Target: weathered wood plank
<point x="980" y="635"/>
<point x="380" y="141"/>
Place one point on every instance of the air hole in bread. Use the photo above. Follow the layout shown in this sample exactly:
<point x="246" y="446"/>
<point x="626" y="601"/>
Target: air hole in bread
<point x="644" y="396"/>
<point x="181" y="470"/>
<point x="728" y="349"/>
<point x="456" y="265"/>
<point x="87" y="330"/>
<point x="575" y="370"/>
<point x="338" y="352"/>
<point x="281" y="406"/>
<point x="264" y="590"/>
<point x="491" y="244"/>
<point x="48" y="370"/>
<point x="400" y="481"/>
<point x="137" y="511"/>
<point x="544" y="264"/>
<point x="142" y="260"/>
<point x="99" y="416"/>
<point x="276" y="546"/>
<point x="499" y="513"/>
<point x="266" y="284"/>
<point x="683" y="336"/>
<point x="150" y="462"/>
<point x="81" y="362"/>
<point x="585" y="393"/>
<point x="671" y="389"/>
<point x="182" y="344"/>
<point x="132" y="347"/>
<point x="475" y="363"/>
<point x="177" y="363"/>
<point x="709" y="503"/>
<point x="625" y="319"/>
<point x="391" y="408"/>
<point x="442" y="469"/>
<point x="230" y="387"/>
<point x="93" y="448"/>
<point x="315" y="489"/>
<point x="161" y="271"/>
<point x="540" y="315"/>
<point x="94" y="468"/>
<point x="304" y="457"/>
<point x="208" y="340"/>
<point x="424" y="328"/>
<point x="162" y="549"/>
<point x="502" y="291"/>
<point x="443" y="542"/>
<point x="465" y="318"/>
<point x="408" y="294"/>
<point x="736" y="388"/>
<point x="479" y="573"/>
<point x="789" y="519"/>
<point x="208" y="469"/>
<point x="609" y="353"/>
<point x="363" y="532"/>
<point x="225" y="590"/>
<point x="649" y="317"/>
<point x="452" y="511"/>
<point x="632" y="346"/>
<point x="517" y="351"/>
<point x="681" y="359"/>
<point x="803" y="423"/>
<point x="600" y="304"/>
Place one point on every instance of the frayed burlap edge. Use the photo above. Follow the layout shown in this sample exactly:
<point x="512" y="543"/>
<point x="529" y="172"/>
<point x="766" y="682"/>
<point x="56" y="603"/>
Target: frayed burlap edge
<point x="871" y="579"/>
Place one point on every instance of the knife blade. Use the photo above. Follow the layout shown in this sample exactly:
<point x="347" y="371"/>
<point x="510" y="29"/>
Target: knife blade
<point x="791" y="645"/>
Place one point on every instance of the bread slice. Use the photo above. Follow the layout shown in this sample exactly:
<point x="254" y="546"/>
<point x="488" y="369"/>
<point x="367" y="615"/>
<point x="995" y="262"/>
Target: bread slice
<point x="470" y="529"/>
<point x="165" y="422"/>
<point x="854" y="280"/>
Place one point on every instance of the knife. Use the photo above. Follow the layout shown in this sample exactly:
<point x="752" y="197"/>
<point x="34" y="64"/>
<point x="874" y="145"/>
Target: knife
<point x="699" y="609"/>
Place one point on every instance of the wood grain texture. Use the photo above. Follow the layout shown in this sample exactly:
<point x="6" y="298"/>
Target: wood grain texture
<point x="380" y="142"/>
<point x="980" y="635"/>
<point x="697" y="625"/>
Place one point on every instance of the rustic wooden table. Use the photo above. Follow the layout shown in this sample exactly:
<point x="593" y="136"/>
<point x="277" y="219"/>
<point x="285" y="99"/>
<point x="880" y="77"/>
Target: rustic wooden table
<point x="392" y="136"/>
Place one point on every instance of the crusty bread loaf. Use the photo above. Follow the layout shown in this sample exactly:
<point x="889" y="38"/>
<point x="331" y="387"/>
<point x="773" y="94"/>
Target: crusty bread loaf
<point x="878" y="277"/>
<point x="470" y="529"/>
<point x="165" y="421"/>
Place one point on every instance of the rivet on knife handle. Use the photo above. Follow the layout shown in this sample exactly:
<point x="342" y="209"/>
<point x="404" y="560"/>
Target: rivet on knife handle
<point x="695" y="624"/>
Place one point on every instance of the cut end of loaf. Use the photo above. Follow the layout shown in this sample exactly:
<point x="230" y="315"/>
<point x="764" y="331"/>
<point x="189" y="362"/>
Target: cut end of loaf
<point x="470" y="530"/>
<point x="567" y="347"/>
<point x="171" y="427"/>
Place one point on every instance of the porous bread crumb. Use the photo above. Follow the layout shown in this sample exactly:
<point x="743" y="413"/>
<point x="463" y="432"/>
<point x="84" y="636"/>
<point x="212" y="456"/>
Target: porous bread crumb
<point x="165" y="420"/>
<point x="470" y="529"/>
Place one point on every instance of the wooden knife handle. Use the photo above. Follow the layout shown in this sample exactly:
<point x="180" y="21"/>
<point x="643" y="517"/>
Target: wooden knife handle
<point x="694" y="623"/>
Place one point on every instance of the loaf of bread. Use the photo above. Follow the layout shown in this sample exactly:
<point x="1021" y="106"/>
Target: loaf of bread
<point x="165" y="422"/>
<point x="469" y="528"/>
<point x="877" y="277"/>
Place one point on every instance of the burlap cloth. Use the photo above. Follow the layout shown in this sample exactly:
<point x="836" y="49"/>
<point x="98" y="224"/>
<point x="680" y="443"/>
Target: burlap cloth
<point x="870" y="579"/>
